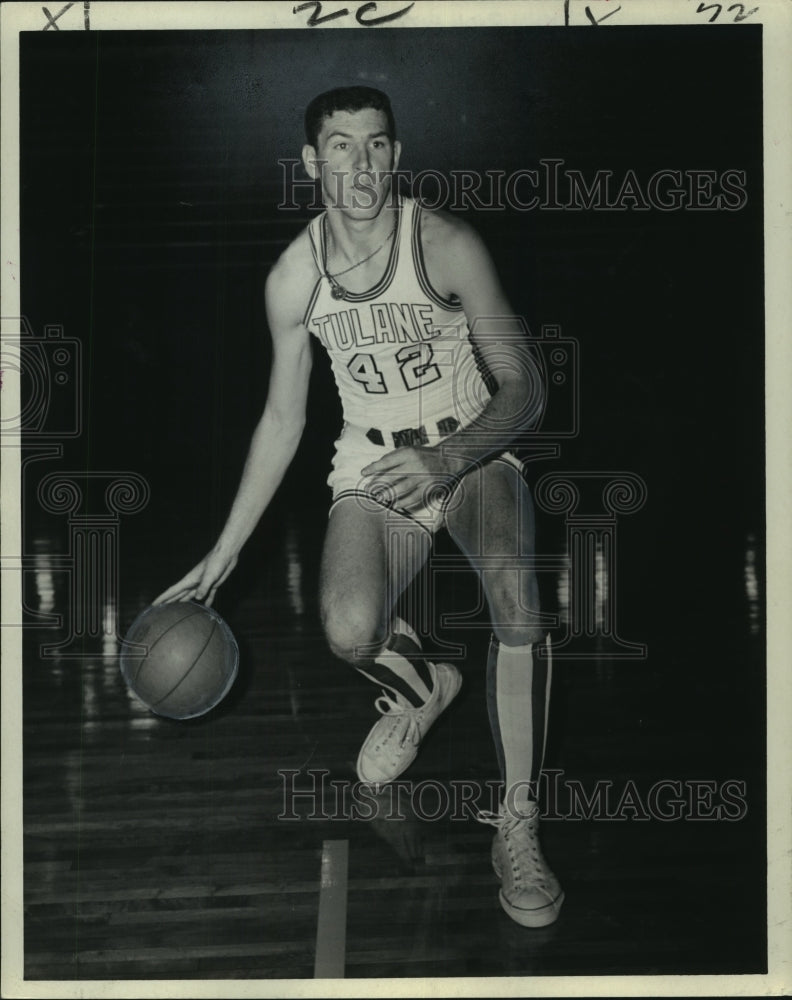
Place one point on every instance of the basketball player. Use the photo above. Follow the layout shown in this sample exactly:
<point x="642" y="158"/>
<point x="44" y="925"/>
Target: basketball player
<point x="436" y="382"/>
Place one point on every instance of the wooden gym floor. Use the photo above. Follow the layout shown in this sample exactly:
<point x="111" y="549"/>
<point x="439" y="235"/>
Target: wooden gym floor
<point x="159" y="849"/>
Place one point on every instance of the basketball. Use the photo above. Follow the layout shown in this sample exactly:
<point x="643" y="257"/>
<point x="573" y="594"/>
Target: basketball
<point x="181" y="660"/>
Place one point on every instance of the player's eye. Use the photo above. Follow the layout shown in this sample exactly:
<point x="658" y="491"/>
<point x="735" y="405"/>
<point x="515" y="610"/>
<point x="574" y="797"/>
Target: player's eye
<point x="341" y="145"/>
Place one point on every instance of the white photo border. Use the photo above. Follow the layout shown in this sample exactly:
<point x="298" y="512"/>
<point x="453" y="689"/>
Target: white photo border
<point x="776" y="18"/>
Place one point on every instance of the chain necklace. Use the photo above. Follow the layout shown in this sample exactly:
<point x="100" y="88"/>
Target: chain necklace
<point x="336" y="290"/>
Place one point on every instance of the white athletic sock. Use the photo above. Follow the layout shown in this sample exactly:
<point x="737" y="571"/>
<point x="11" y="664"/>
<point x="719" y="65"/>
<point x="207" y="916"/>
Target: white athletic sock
<point x="518" y="700"/>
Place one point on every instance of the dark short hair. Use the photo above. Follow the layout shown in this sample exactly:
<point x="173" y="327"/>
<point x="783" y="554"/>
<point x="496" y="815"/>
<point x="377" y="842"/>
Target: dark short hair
<point x="346" y="99"/>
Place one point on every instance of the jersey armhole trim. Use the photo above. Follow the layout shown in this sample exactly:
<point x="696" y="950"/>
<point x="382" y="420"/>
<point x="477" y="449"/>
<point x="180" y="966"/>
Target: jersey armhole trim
<point x="452" y="304"/>
<point x="312" y="302"/>
<point x="314" y="227"/>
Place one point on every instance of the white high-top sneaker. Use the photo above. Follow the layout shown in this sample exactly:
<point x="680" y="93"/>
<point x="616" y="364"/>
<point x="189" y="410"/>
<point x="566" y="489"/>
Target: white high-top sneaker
<point x="530" y="893"/>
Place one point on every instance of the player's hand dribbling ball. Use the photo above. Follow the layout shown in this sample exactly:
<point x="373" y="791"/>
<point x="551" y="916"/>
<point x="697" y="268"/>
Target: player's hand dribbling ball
<point x="189" y="661"/>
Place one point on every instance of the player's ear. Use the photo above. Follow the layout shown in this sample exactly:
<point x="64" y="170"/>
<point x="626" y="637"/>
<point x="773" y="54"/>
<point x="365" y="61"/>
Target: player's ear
<point x="310" y="161"/>
<point x="396" y="153"/>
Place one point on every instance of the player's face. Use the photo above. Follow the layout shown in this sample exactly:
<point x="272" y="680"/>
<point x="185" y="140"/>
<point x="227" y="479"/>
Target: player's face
<point x="356" y="157"/>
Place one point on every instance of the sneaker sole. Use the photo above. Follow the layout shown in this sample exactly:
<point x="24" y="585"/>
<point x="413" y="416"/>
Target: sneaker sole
<point x="451" y="693"/>
<point x="533" y="918"/>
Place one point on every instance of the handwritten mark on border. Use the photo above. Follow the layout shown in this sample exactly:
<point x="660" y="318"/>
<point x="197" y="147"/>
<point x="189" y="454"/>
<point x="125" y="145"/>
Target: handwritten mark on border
<point x="52" y="20"/>
<point x="317" y="18"/>
<point x="741" y="14"/>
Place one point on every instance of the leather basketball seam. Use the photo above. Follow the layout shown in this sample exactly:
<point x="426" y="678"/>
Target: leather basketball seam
<point x="162" y="635"/>
<point x="188" y="672"/>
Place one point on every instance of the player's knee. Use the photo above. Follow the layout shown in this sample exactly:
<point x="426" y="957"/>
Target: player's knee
<point x="354" y="634"/>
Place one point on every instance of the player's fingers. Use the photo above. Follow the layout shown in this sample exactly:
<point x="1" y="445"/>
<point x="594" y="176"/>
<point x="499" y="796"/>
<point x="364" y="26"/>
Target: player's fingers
<point x="386" y="484"/>
<point x="391" y="490"/>
<point x="411" y="499"/>
<point x="190" y="587"/>
<point x="390" y="461"/>
<point x="174" y="593"/>
<point x="207" y="586"/>
<point x="225" y="575"/>
<point x="211" y="581"/>
<point x="182" y="589"/>
<point x="396" y="479"/>
<point x="408" y="483"/>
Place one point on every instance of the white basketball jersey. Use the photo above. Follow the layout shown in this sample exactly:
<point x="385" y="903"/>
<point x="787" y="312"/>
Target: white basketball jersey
<point x="401" y="353"/>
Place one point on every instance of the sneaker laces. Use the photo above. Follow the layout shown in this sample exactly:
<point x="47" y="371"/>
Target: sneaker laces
<point x="386" y="705"/>
<point x="520" y="834"/>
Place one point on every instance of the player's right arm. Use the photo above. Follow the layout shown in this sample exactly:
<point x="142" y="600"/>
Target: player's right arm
<point x="276" y="436"/>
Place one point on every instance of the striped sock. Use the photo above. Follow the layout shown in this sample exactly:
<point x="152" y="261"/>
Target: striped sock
<point x="401" y="667"/>
<point x="518" y="701"/>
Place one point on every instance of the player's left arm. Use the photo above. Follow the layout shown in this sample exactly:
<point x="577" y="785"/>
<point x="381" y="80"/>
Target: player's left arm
<point x="465" y="268"/>
<point x="459" y="264"/>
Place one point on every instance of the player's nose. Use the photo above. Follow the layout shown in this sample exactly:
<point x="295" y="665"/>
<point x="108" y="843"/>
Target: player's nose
<point x="362" y="158"/>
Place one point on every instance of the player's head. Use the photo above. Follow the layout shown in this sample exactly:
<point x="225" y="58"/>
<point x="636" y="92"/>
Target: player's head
<point x="346" y="99"/>
<point x="352" y="148"/>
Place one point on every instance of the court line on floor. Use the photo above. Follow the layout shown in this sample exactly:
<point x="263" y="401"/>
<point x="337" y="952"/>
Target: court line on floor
<point x="330" y="958"/>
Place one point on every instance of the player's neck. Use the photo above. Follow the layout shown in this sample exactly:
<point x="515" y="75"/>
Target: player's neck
<point x="349" y="240"/>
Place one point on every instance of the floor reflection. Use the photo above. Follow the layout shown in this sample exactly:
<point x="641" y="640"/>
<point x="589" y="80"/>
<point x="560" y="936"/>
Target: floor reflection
<point x="130" y="817"/>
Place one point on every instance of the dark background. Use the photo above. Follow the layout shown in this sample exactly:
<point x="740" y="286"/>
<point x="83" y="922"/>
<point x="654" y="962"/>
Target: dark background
<point x="150" y="180"/>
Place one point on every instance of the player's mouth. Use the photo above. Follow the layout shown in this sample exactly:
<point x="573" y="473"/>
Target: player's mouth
<point x="368" y="188"/>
